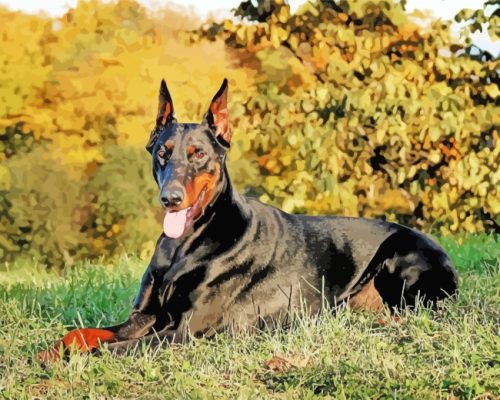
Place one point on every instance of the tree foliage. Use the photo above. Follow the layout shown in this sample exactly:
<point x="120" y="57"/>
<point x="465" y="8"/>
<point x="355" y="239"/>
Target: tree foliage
<point x="77" y="103"/>
<point x="362" y="112"/>
<point x="345" y="107"/>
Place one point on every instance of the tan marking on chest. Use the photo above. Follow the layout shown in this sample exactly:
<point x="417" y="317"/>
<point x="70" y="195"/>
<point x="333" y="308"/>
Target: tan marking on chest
<point x="205" y="180"/>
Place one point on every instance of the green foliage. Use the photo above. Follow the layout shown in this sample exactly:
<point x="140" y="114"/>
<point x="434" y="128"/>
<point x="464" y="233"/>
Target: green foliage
<point x="47" y="214"/>
<point x="361" y="112"/>
<point x="123" y="196"/>
<point x="39" y="208"/>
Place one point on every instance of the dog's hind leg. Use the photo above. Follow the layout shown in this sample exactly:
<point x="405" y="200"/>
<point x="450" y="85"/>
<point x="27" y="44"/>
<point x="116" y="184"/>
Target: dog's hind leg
<point x="417" y="269"/>
<point x="368" y="298"/>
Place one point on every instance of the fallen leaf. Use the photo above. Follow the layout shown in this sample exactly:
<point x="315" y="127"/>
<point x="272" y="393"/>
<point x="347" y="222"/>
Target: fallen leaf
<point x="282" y="364"/>
<point x="395" y="319"/>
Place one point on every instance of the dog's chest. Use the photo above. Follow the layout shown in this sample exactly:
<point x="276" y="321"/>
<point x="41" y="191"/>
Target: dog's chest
<point x="243" y="294"/>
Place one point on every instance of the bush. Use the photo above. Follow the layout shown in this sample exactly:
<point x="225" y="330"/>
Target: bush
<point x="41" y="209"/>
<point x="360" y="112"/>
<point x="343" y="108"/>
<point x="123" y="199"/>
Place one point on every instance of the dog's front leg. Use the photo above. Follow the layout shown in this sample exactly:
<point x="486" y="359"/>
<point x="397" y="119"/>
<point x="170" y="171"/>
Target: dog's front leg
<point x="140" y="322"/>
<point x="155" y="339"/>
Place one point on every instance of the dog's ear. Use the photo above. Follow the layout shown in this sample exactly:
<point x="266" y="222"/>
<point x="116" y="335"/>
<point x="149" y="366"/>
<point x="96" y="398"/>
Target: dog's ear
<point x="165" y="106"/>
<point x="217" y="115"/>
<point x="165" y="114"/>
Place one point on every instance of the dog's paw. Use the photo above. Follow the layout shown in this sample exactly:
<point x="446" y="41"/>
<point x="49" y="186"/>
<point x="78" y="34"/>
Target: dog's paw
<point x="83" y="340"/>
<point x="87" y="339"/>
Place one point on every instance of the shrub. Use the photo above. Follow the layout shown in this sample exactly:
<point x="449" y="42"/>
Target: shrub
<point x="361" y="112"/>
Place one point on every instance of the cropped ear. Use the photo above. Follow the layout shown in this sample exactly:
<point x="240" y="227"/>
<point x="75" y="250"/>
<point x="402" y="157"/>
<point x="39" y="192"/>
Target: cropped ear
<point x="165" y="114"/>
<point x="165" y="106"/>
<point x="217" y="115"/>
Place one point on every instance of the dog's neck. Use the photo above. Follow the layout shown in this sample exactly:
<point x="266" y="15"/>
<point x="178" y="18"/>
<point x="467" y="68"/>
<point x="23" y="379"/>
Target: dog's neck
<point x="226" y="216"/>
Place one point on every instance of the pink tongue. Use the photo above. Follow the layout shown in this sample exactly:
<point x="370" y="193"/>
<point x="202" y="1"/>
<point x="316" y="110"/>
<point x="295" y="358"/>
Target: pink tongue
<point x="176" y="223"/>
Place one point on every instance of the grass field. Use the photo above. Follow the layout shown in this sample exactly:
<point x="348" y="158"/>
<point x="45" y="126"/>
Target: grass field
<point x="453" y="353"/>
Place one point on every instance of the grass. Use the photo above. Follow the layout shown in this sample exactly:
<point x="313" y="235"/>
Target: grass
<point x="453" y="353"/>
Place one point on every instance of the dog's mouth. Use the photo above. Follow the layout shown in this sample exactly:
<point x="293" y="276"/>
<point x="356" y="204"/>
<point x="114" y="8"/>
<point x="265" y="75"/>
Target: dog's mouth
<point x="177" y="222"/>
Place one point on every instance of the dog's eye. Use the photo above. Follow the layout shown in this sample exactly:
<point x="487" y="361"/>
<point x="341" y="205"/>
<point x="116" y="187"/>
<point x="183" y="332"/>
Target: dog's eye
<point x="199" y="154"/>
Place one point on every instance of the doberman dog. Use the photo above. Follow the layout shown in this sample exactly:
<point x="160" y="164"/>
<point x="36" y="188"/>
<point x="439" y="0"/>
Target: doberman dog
<point x="227" y="261"/>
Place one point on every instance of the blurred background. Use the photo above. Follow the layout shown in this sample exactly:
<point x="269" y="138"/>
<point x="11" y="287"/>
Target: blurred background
<point x="364" y="108"/>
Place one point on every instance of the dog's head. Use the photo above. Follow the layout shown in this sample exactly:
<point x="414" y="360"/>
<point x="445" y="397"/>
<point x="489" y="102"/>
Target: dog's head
<point x="188" y="160"/>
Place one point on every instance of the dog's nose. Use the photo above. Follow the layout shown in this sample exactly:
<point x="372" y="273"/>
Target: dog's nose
<point x="171" y="197"/>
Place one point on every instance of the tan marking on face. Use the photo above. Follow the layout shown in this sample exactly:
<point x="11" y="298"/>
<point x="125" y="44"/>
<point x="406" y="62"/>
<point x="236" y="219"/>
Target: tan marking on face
<point x="367" y="299"/>
<point x="169" y="144"/>
<point x="191" y="150"/>
<point x="195" y="187"/>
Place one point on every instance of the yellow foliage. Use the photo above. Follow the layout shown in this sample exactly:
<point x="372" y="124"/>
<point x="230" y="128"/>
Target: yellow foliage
<point x="348" y="109"/>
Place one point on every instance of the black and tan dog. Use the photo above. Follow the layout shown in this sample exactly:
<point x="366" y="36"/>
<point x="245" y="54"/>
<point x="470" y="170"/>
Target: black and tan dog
<point x="224" y="260"/>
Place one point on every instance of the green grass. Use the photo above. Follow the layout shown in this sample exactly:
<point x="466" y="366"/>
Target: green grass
<point x="453" y="352"/>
